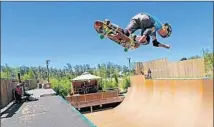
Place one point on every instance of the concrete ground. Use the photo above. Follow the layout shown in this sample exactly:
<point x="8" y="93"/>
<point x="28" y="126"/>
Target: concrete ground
<point x="48" y="111"/>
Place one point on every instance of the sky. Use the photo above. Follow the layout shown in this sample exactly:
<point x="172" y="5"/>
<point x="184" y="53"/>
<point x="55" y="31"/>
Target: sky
<point x="62" y="32"/>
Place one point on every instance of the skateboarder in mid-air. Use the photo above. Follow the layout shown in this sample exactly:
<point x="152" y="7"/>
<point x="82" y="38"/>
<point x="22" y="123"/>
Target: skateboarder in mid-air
<point x="148" y="26"/>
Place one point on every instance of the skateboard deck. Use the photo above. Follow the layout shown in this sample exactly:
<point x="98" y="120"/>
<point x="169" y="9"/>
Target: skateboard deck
<point x="114" y="33"/>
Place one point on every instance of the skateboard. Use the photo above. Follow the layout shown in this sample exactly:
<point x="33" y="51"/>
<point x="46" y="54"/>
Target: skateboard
<point x="106" y="29"/>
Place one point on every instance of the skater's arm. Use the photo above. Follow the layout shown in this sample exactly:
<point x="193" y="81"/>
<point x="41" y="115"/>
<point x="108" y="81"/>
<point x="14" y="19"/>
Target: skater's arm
<point x="158" y="44"/>
<point x="144" y="35"/>
<point x="137" y="45"/>
<point x="142" y="39"/>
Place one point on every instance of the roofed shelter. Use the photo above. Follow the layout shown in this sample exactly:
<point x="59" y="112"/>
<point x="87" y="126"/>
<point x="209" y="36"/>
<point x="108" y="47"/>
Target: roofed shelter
<point x="85" y="83"/>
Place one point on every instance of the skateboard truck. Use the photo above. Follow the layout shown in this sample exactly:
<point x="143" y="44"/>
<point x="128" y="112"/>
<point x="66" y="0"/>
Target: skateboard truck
<point x="106" y="21"/>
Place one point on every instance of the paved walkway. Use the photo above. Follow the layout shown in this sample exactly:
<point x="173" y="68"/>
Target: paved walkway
<point x="41" y="92"/>
<point x="49" y="111"/>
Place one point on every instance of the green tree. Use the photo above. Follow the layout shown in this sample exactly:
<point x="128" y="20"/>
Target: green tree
<point x="4" y="75"/>
<point x="208" y="60"/>
<point x="29" y="75"/>
<point x="116" y="82"/>
<point x="61" y="78"/>
<point x="194" y="57"/>
<point x="125" y="83"/>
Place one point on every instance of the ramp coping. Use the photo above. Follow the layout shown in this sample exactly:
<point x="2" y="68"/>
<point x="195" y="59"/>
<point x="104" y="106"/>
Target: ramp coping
<point x="180" y="78"/>
<point x="80" y="115"/>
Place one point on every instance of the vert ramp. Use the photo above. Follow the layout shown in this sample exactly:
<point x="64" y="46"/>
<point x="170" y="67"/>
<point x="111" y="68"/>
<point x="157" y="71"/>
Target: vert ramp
<point x="161" y="103"/>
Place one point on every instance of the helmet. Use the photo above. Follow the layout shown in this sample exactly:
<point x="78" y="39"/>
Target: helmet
<point x="168" y="27"/>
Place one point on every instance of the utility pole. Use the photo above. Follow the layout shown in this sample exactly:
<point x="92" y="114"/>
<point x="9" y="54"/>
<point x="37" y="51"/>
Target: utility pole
<point x="47" y="63"/>
<point x="129" y="59"/>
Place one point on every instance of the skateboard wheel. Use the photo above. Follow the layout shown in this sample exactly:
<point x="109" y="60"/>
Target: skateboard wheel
<point x="101" y="36"/>
<point x="125" y="49"/>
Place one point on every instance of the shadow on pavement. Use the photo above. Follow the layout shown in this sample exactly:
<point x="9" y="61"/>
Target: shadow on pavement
<point x="11" y="110"/>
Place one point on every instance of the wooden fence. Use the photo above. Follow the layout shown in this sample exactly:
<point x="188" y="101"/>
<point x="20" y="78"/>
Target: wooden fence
<point x="94" y="99"/>
<point x="162" y="68"/>
<point x="31" y="84"/>
<point x="7" y="86"/>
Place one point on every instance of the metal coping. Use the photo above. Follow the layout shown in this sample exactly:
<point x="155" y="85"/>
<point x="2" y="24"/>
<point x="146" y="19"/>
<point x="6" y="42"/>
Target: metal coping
<point x="80" y="115"/>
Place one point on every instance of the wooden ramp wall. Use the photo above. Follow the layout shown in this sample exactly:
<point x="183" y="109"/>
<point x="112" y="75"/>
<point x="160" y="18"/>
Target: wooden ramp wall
<point x="161" y="103"/>
<point x="162" y="68"/>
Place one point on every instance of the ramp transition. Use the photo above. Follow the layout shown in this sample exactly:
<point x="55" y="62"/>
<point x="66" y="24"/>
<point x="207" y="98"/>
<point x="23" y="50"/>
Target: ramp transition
<point x="161" y="103"/>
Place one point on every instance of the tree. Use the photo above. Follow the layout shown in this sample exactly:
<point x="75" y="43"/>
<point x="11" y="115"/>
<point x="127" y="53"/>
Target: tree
<point x="182" y="59"/>
<point x="61" y="78"/>
<point x="125" y="83"/>
<point x="29" y="75"/>
<point x="194" y="57"/>
<point x="208" y="60"/>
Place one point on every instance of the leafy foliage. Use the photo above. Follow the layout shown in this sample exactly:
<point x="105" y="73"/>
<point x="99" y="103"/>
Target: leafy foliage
<point x="61" y="78"/>
<point x="110" y="73"/>
<point x="208" y="59"/>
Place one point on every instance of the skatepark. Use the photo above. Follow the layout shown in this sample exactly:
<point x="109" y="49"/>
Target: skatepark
<point x="161" y="103"/>
<point x="135" y="67"/>
<point x="156" y="102"/>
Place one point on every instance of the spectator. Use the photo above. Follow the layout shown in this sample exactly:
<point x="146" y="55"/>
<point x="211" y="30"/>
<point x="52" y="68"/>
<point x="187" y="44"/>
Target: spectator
<point x="84" y="88"/>
<point x="149" y="74"/>
<point x="18" y="93"/>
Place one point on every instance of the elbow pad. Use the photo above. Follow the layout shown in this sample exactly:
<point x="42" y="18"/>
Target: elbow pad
<point x="155" y="43"/>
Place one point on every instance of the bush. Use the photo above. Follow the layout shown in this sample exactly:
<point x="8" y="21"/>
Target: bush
<point x="109" y="84"/>
<point x="208" y="60"/>
<point x="62" y="86"/>
<point x="125" y="83"/>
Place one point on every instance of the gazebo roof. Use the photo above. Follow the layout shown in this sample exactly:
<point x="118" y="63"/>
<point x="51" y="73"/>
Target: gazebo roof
<point x="85" y="76"/>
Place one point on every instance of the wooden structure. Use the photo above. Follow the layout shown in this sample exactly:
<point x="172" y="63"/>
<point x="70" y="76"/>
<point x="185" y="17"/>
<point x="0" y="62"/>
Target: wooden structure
<point x="85" y="83"/>
<point x="94" y="99"/>
<point x="86" y="93"/>
<point x="161" y="103"/>
<point x="162" y="68"/>
<point x="7" y="87"/>
<point x="84" y="87"/>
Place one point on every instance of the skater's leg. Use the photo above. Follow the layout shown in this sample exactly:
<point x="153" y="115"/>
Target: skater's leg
<point x="16" y="97"/>
<point x="131" y="28"/>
